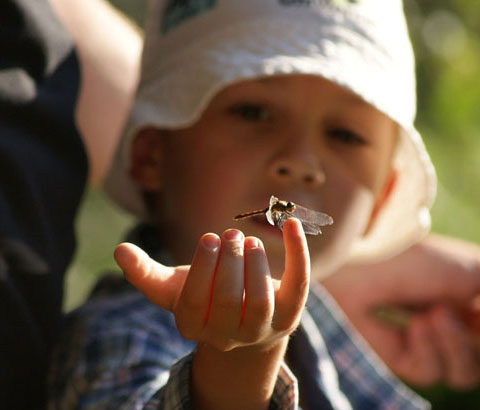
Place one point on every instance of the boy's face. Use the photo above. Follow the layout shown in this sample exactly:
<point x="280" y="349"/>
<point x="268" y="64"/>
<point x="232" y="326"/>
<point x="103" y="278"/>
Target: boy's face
<point x="300" y="138"/>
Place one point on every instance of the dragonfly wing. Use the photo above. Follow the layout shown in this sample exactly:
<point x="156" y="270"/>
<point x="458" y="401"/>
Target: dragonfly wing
<point x="273" y="201"/>
<point x="311" y="229"/>
<point x="308" y="227"/>
<point x="269" y="217"/>
<point x="312" y="217"/>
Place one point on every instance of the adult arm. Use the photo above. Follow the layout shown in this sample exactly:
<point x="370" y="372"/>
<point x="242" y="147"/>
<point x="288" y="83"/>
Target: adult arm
<point x="109" y="48"/>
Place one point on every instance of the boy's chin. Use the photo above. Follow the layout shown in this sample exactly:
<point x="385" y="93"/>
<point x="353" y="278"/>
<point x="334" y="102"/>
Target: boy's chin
<point x="325" y="266"/>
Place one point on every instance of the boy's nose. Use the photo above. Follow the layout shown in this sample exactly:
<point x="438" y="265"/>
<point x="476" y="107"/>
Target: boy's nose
<point x="304" y="170"/>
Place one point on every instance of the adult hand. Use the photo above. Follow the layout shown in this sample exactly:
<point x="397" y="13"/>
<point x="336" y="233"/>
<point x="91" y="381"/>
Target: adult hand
<point x="436" y="281"/>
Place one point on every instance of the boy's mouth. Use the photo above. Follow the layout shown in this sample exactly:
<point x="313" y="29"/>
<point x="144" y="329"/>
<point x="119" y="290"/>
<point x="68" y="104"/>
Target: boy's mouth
<point x="261" y="222"/>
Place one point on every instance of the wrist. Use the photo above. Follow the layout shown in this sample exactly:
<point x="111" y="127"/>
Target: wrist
<point x="242" y="378"/>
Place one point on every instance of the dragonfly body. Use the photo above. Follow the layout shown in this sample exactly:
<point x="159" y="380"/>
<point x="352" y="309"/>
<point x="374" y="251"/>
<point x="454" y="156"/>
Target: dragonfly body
<point x="279" y="211"/>
<point x="249" y="214"/>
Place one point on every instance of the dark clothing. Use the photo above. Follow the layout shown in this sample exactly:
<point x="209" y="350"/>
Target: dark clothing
<point x="43" y="170"/>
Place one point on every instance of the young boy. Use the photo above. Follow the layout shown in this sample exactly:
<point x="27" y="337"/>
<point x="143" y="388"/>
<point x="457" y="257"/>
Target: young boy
<point x="310" y="101"/>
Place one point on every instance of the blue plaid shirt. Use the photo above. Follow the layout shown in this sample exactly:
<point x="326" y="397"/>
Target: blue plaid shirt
<point x="122" y="352"/>
<point x="119" y="351"/>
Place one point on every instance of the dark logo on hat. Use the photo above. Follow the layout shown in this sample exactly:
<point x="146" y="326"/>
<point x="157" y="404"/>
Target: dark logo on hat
<point x="310" y="2"/>
<point x="179" y="11"/>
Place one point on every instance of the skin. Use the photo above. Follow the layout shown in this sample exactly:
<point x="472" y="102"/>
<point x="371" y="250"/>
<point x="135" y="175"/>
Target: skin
<point x="254" y="139"/>
<point x="109" y="64"/>
<point x="438" y="282"/>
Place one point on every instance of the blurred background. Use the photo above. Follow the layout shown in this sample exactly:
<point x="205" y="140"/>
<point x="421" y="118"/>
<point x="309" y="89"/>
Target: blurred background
<point x="446" y="37"/>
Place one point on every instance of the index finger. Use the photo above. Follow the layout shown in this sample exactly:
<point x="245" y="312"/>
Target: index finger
<point x="292" y="295"/>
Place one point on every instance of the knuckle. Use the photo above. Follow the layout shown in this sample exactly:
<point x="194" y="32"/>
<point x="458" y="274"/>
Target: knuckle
<point x="463" y="382"/>
<point x="422" y="381"/>
<point x="226" y="301"/>
<point x="417" y="371"/>
<point x="428" y="378"/>
<point x="260" y="308"/>
<point x="251" y="336"/>
<point x="303" y="285"/>
<point x="253" y="333"/>
<point x="286" y="327"/>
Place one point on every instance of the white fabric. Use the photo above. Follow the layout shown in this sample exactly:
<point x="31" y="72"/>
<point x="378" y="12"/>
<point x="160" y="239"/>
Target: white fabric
<point x="362" y="45"/>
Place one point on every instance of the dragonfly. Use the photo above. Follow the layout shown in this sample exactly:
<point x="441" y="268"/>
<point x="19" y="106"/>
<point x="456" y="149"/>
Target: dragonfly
<point x="279" y="211"/>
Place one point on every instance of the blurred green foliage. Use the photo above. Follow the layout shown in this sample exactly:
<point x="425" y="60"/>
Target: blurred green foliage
<point x="446" y="37"/>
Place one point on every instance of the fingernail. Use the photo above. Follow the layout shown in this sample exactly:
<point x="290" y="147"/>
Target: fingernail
<point x="211" y="241"/>
<point x="233" y="234"/>
<point x="252" y="242"/>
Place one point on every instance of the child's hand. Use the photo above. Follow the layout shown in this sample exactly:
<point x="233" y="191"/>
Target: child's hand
<point x="440" y="341"/>
<point x="228" y="302"/>
<point x="227" y="297"/>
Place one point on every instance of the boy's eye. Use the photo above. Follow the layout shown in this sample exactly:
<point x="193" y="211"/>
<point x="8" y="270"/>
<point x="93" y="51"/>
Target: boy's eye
<point x="346" y="136"/>
<point x="250" y="112"/>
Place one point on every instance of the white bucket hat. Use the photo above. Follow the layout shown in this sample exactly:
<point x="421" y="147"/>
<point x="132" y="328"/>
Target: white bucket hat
<point x="193" y="49"/>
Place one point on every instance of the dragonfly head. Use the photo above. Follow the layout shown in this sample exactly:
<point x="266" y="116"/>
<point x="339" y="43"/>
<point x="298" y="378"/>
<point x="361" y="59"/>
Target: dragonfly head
<point x="290" y="206"/>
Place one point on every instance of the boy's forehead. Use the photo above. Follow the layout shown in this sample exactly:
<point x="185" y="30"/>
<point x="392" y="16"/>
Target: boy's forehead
<point x="286" y="83"/>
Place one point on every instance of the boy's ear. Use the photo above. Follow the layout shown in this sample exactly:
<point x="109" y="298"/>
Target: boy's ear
<point x="382" y="198"/>
<point x="146" y="159"/>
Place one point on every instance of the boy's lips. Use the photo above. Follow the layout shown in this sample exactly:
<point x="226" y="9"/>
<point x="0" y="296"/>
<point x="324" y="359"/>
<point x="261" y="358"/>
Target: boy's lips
<point x="259" y="222"/>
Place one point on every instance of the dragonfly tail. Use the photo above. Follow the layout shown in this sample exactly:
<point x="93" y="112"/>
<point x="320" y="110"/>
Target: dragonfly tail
<point x="249" y="214"/>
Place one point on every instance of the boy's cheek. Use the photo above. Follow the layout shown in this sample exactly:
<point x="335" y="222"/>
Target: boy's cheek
<point x="333" y="248"/>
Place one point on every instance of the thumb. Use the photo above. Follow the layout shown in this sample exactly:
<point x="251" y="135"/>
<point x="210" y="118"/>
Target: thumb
<point x="161" y="284"/>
